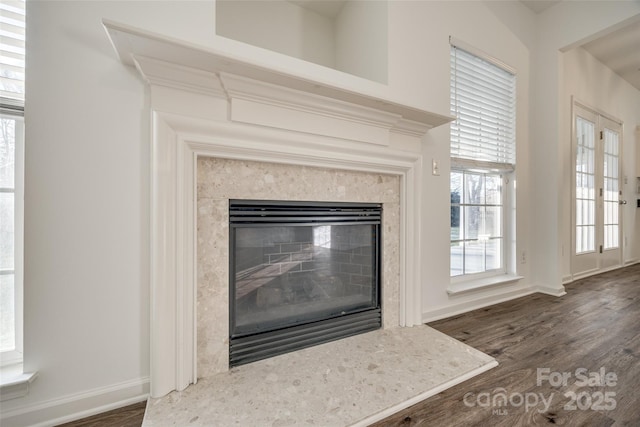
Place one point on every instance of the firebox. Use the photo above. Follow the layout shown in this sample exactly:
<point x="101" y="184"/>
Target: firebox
<point x="301" y="274"/>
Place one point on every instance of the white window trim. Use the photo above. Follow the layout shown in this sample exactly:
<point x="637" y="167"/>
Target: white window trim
<point x="463" y="286"/>
<point x="481" y="54"/>
<point x="14" y="382"/>
<point x="506" y="275"/>
<point x="507" y="272"/>
<point x="15" y="356"/>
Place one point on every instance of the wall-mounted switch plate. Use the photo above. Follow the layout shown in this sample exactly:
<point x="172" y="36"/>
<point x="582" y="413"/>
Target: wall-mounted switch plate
<point x="435" y="167"/>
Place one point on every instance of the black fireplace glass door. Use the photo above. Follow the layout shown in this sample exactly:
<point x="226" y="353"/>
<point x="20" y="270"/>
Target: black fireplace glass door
<point x="287" y="275"/>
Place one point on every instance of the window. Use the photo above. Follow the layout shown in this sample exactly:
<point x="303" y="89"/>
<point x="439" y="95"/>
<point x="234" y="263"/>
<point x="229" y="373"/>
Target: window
<point x="476" y="222"/>
<point x="12" y="32"/>
<point x="482" y="161"/>
<point x="12" y="54"/>
<point x="10" y="237"/>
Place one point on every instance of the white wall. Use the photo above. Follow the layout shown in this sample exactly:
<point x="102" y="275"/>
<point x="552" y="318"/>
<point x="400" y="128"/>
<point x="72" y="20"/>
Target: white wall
<point x="279" y="26"/>
<point x="595" y="85"/>
<point x="87" y="205"/>
<point x="419" y="71"/>
<point x="564" y="25"/>
<point x="354" y="41"/>
<point x="361" y="39"/>
<point x="87" y="160"/>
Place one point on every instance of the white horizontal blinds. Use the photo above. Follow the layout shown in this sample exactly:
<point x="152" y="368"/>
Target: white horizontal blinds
<point x="483" y="102"/>
<point x="12" y="49"/>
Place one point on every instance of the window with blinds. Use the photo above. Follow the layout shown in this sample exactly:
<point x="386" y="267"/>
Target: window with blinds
<point x="12" y="72"/>
<point x="12" y="51"/>
<point x="483" y="102"/>
<point x="482" y="156"/>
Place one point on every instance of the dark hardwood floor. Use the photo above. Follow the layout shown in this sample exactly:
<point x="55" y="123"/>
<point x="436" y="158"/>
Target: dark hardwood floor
<point x="129" y="416"/>
<point x="595" y="326"/>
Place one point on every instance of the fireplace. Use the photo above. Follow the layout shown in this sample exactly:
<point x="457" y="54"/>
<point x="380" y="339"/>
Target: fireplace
<point x="219" y="186"/>
<point x="269" y="127"/>
<point x="301" y="274"/>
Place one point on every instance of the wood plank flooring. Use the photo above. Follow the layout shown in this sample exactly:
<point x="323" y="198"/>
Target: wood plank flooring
<point x="129" y="416"/>
<point x="596" y="325"/>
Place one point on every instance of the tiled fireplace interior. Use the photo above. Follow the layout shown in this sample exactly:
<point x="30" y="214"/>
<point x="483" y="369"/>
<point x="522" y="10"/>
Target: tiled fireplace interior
<point x="302" y="273"/>
<point x="219" y="180"/>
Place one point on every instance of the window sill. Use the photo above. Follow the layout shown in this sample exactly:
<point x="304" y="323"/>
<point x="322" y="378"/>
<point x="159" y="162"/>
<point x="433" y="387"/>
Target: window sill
<point x="14" y="383"/>
<point x="477" y="284"/>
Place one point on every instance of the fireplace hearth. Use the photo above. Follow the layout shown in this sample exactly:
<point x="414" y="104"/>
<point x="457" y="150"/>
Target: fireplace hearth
<point x="301" y="274"/>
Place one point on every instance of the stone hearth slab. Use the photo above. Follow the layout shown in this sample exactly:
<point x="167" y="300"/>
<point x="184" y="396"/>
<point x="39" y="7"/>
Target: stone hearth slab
<point x="353" y="381"/>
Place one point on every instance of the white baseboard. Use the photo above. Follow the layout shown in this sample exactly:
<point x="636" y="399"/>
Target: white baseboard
<point x="76" y="406"/>
<point x="554" y="292"/>
<point x="455" y="309"/>
<point x="597" y="271"/>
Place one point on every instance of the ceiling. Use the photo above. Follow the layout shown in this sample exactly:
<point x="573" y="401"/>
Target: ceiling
<point x="332" y="8"/>
<point x="620" y="51"/>
<point x="327" y="8"/>
<point x="539" y="6"/>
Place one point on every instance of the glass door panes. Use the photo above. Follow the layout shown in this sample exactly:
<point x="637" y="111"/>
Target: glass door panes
<point x="585" y="186"/>
<point x="597" y="214"/>
<point x="611" y="187"/>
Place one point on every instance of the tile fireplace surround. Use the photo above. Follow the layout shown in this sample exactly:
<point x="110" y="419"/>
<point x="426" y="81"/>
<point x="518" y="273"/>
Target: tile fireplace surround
<point x="219" y="180"/>
<point x="226" y="125"/>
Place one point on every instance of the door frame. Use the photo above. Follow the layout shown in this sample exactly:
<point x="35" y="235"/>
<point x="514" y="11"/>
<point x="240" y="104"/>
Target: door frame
<point x="598" y="256"/>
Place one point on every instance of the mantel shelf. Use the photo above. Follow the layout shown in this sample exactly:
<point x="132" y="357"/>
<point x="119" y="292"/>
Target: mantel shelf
<point x="269" y="67"/>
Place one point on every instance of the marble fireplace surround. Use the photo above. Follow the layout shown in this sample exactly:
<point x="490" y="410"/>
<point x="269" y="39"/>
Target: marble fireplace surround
<point x="219" y="180"/>
<point x="220" y="117"/>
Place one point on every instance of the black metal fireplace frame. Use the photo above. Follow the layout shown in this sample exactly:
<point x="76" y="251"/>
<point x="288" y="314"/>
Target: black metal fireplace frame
<point x="246" y="348"/>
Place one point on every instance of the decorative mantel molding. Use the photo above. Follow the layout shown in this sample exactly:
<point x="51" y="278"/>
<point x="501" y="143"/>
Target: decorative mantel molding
<point x="257" y="102"/>
<point x="133" y="44"/>
<point x="204" y="103"/>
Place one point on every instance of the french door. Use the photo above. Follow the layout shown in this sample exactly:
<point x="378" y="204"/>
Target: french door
<point x="597" y="227"/>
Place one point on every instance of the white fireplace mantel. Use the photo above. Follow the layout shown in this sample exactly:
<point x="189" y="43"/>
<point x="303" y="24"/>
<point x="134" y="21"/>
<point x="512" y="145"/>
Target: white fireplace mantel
<point x="216" y="104"/>
<point x="132" y="44"/>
